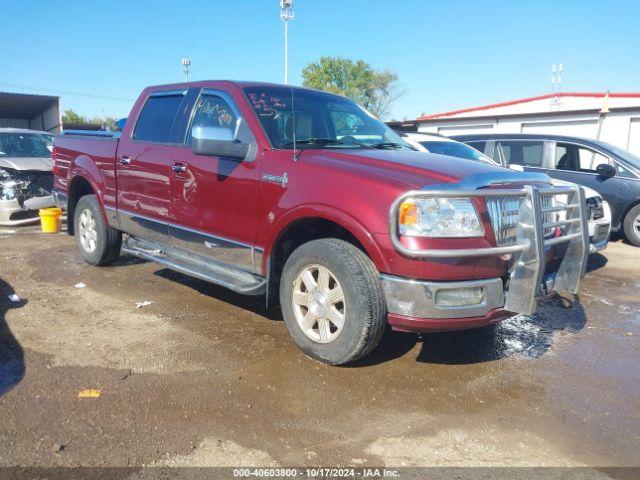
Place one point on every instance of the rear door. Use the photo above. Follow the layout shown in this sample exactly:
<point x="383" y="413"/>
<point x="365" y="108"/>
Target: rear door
<point x="143" y="167"/>
<point x="528" y="155"/>
<point x="577" y="163"/>
<point x="215" y="199"/>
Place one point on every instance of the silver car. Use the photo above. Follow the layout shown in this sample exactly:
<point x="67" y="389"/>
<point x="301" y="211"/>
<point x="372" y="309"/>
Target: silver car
<point x="26" y="177"/>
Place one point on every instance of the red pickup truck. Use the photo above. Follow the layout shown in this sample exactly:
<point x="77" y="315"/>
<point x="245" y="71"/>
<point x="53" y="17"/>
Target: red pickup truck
<point x="306" y="197"/>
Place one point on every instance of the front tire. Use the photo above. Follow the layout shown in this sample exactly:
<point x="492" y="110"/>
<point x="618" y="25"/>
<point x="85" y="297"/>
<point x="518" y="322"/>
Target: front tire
<point x="332" y="301"/>
<point x="98" y="243"/>
<point x="632" y="226"/>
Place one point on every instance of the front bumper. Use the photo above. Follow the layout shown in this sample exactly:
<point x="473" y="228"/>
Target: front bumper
<point x="413" y="302"/>
<point x="421" y="299"/>
<point x="12" y="214"/>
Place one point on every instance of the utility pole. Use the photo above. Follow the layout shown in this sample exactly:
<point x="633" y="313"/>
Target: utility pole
<point x="556" y="85"/>
<point x="186" y="63"/>
<point x="286" y="14"/>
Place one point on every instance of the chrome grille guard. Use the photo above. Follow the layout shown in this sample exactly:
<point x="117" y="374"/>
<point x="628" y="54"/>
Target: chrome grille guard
<point x="528" y="267"/>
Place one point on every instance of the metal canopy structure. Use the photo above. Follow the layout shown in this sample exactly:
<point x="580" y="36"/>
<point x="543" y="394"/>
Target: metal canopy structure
<point x="37" y="112"/>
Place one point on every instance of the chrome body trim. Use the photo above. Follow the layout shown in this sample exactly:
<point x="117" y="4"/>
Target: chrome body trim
<point x="142" y="226"/>
<point x="112" y="217"/>
<point x="223" y="250"/>
<point x="217" y="248"/>
<point x="417" y="298"/>
<point x="528" y="263"/>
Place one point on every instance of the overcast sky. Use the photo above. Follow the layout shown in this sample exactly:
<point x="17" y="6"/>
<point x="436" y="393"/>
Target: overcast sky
<point x="447" y="54"/>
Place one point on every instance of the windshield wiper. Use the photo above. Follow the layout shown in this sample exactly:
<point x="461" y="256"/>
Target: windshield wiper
<point x="383" y="145"/>
<point x="314" y="141"/>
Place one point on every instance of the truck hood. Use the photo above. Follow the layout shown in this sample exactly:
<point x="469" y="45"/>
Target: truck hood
<point x="416" y="170"/>
<point x="42" y="164"/>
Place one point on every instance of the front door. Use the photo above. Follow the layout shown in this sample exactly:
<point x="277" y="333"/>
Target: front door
<point x="143" y="168"/>
<point x="577" y="163"/>
<point x="215" y="199"/>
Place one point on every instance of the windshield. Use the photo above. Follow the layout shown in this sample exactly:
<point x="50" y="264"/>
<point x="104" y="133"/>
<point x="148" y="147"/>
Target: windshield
<point x="318" y="120"/>
<point x="456" y="149"/>
<point x="25" y="144"/>
<point x="634" y="160"/>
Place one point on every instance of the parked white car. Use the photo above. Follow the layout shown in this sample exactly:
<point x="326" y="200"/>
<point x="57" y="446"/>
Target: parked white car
<point x="598" y="208"/>
<point x="26" y="177"/>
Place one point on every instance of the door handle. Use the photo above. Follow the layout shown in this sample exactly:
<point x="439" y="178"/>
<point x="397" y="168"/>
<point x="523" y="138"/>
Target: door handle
<point x="179" y="167"/>
<point x="125" y="160"/>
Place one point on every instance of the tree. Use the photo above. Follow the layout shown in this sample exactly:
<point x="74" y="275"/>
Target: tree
<point x="356" y="79"/>
<point x="71" y="117"/>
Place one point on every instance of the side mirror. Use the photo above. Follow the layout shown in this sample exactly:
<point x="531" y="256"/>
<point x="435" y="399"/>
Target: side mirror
<point x="120" y="124"/>
<point x="605" y="170"/>
<point x="217" y="142"/>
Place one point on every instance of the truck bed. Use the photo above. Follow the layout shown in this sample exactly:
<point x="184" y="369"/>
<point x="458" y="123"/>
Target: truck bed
<point x="76" y="152"/>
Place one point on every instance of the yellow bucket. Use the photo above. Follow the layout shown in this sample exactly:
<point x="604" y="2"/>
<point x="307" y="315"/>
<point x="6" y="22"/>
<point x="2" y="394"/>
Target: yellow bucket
<point x="50" y="219"/>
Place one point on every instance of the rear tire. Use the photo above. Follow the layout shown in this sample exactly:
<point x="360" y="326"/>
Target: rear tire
<point x="332" y="301"/>
<point x="98" y="243"/>
<point x="632" y="226"/>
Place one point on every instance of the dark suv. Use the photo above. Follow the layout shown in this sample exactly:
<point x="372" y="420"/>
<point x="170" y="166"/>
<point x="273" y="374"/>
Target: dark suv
<point x="609" y="170"/>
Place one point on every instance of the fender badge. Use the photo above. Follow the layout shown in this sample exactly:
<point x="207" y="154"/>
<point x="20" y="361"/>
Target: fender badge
<point x="282" y="180"/>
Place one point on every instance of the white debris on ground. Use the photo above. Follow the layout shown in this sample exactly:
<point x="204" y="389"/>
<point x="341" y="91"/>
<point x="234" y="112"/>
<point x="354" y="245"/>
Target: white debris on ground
<point x="144" y="303"/>
<point x="521" y="336"/>
<point x="14" y="298"/>
<point x="80" y="285"/>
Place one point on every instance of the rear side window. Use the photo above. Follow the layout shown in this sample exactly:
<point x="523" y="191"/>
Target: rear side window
<point x="156" y="119"/>
<point x="525" y="153"/>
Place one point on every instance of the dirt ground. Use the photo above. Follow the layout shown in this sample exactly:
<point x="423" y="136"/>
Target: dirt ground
<point x="204" y="377"/>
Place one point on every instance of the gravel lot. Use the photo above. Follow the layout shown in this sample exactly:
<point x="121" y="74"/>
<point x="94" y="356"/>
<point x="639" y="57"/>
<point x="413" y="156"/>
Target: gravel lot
<point x="206" y="377"/>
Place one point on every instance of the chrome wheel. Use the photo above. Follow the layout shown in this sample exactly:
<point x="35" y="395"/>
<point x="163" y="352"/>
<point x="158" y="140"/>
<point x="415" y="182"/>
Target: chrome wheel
<point x="318" y="303"/>
<point x="87" y="231"/>
<point x="636" y="224"/>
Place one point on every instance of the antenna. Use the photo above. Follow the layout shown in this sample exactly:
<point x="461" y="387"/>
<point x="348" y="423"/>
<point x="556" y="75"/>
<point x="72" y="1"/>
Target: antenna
<point x="286" y="14"/>
<point x="186" y="63"/>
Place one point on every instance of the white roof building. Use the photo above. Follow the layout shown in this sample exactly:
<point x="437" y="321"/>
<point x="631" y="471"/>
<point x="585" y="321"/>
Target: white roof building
<point x="611" y="117"/>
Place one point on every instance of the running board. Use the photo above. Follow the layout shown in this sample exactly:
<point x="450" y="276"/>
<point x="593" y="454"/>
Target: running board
<point x="227" y="276"/>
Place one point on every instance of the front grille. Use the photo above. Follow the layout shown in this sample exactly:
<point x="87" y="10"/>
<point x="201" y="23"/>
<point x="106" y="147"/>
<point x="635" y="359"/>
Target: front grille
<point x="504" y="213"/>
<point x="548" y="217"/>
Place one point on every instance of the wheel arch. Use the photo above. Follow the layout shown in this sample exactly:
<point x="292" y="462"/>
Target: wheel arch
<point x="310" y="224"/>
<point x="79" y="187"/>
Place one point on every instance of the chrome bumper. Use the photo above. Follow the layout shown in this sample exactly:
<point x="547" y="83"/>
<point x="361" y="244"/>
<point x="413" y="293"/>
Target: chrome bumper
<point x="417" y="298"/>
<point x="525" y="281"/>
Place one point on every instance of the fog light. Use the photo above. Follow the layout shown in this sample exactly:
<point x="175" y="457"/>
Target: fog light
<point x="459" y="297"/>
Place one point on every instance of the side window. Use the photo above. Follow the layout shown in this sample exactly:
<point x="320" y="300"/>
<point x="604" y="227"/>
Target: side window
<point x="578" y="159"/>
<point x="213" y="111"/>
<point x="590" y="159"/>
<point x="625" y="172"/>
<point x="156" y="118"/>
<point x="525" y="153"/>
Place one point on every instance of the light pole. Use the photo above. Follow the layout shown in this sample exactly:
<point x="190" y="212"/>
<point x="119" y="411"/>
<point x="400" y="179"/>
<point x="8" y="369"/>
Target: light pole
<point x="286" y="14"/>
<point x="186" y="63"/>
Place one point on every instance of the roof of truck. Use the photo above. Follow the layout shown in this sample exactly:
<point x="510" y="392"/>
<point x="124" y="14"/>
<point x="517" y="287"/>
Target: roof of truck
<point x="237" y="83"/>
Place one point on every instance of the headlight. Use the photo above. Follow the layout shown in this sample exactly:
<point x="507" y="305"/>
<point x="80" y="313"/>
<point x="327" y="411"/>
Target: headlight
<point x="438" y="217"/>
<point x="9" y="190"/>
